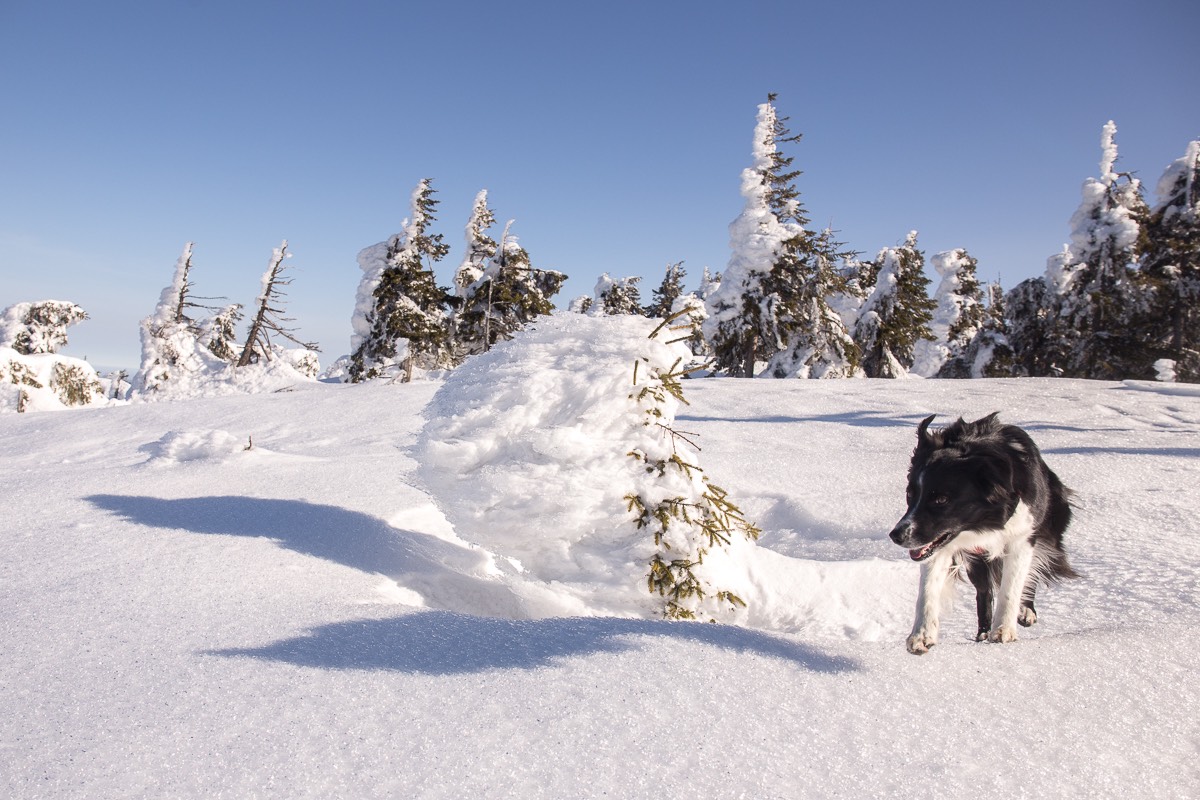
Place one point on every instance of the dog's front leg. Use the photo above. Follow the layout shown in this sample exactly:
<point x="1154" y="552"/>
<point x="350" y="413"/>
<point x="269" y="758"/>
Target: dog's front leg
<point x="1017" y="561"/>
<point x="935" y="577"/>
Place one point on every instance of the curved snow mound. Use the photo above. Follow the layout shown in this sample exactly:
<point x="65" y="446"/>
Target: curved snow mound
<point x="180" y="446"/>
<point x="527" y="449"/>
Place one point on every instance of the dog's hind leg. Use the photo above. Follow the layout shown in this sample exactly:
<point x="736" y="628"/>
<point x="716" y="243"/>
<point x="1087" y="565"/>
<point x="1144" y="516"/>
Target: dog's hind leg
<point x="1028" y="614"/>
<point x="980" y="573"/>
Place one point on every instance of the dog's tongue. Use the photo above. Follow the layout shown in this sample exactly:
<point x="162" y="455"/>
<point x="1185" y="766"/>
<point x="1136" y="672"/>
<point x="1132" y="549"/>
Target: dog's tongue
<point x="917" y="555"/>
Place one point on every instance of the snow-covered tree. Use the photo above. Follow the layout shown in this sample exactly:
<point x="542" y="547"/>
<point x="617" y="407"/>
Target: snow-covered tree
<point x="507" y="295"/>
<point x="268" y="319"/>
<point x="1171" y="266"/>
<point x="814" y="339"/>
<point x="1100" y="294"/>
<point x="663" y="298"/>
<point x="219" y="332"/>
<point x="480" y="248"/>
<point x="38" y="327"/>
<point x="1032" y="329"/>
<point x="768" y="236"/>
<point x="401" y="315"/>
<point x="958" y="314"/>
<point x="32" y="374"/>
<point x="689" y="517"/>
<point x="616" y="296"/>
<point x="988" y="354"/>
<point x="172" y="353"/>
<point x="897" y="313"/>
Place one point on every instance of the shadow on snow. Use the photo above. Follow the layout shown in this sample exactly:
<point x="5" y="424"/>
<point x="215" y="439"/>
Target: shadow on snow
<point x="443" y="643"/>
<point x="439" y="642"/>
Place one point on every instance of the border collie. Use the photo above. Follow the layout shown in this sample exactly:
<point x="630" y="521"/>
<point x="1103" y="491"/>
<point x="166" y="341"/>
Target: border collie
<point x="981" y="501"/>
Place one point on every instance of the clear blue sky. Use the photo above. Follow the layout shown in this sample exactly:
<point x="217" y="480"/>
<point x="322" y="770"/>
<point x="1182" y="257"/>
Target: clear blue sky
<point x="613" y="133"/>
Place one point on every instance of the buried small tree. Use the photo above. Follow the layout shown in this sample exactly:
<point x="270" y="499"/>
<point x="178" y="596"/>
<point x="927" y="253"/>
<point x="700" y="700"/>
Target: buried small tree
<point x="688" y="516"/>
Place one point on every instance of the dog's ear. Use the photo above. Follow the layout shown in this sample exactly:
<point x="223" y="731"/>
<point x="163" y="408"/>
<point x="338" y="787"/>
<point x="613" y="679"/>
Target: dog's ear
<point x="988" y="424"/>
<point x="926" y="443"/>
<point x="923" y="434"/>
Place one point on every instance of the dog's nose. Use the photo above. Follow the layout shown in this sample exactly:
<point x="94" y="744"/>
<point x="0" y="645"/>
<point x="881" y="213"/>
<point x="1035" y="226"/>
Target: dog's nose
<point x="898" y="532"/>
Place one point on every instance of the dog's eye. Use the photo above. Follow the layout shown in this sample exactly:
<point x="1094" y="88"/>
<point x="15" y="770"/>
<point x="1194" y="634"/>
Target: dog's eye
<point x="939" y="499"/>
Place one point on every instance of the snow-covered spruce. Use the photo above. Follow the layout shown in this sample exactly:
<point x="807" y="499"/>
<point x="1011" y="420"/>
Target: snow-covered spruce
<point x="896" y="314"/>
<point x="38" y="327"/>
<point x="527" y="449"/>
<point x="46" y="382"/>
<point x="689" y="517"/>
<point x="401" y="316"/>
<point x="268" y="321"/>
<point x="958" y="314"/>
<point x="1171" y="266"/>
<point x="1098" y="291"/>
<point x="774" y="303"/>
<point x="506" y="294"/>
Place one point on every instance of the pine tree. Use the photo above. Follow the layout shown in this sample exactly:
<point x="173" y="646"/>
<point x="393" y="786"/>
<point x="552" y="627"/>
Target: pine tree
<point x="219" y="332"/>
<point x="751" y="313"/>
<point x="171" y="350"/>
<point x="38" y="327"/>
<point x="958" y="314"/>
<point x="508" y="294"/>
<point x="815" y="340"/>
<point x="693" y="522"/>
<point x="481" y="248"/>
<point x="616" y="296"/>
<point x="1031" y="325"/>
<point x="268" y="319"/>
<point x="988" y="354"/>
<point x="1171" y="267"/>
<point x="897" y="313"/>
<point x="663" y="298"/>
<point x="401" y="318"/>
<point x="1098" y="303"/>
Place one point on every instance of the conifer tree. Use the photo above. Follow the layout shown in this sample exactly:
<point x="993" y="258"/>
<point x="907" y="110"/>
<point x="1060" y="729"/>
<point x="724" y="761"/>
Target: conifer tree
<point x="171" y="348"/>
<point x="219" y="332"/>
<point x="1032" y="331"/>
<point x="814" y="339"/>
<point x="1101" y="293"/>
<point x="508" y="294"/>
<point x="401" y="318"/>
<point x="1171" y="267"/>
<point x="663" y="298"/>
<point x="616" y="296"/>
<point x="752" y="313"/>
<point x="897" y="313"/>
<point x="958" y="314"/>
<point x="988" y="354"/>
<point x="38" y="327"/>
<point x="690" y="519"/>
<point x="268" y="320"/>
<point x="481" y="248"/>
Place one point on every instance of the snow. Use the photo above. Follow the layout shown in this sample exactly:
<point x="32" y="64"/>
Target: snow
<point x="318" y="616"/>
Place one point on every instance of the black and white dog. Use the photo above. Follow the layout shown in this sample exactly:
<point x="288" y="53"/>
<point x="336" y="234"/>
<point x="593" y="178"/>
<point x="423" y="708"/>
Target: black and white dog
<point x="982" y="501"/>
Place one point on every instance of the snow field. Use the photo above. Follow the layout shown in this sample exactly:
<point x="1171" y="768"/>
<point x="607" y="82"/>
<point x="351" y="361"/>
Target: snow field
<point x="308" y="618"/>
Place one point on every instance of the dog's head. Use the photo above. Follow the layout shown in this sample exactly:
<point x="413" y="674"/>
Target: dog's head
<point x="960" y="479"/>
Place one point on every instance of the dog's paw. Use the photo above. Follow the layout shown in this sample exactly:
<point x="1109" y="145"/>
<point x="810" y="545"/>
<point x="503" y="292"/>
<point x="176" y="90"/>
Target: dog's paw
<point x="1026" y="616"/>
<point x="920" y="642"/>
<point x="982" y="636"/>
<point x="1004" y="633"/>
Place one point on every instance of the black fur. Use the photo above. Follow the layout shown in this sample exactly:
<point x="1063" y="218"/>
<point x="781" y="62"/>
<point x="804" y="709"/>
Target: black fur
<point x="969" y="478"/>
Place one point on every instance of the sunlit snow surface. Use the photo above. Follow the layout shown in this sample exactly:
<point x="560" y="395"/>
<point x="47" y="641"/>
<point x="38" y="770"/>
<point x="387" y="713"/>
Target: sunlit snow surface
<point x="186" y="617"/>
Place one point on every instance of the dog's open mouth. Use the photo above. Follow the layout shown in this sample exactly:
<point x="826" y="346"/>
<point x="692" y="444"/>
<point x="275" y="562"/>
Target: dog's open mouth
<point x="922" y="553"/>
